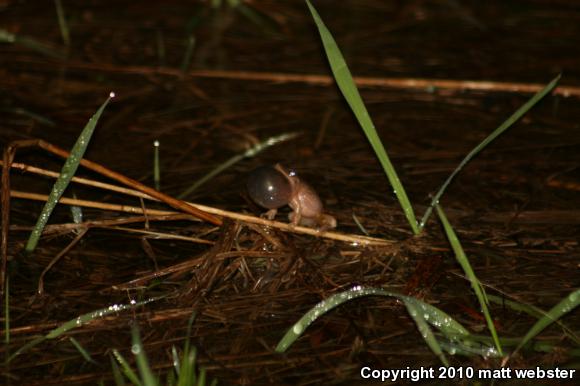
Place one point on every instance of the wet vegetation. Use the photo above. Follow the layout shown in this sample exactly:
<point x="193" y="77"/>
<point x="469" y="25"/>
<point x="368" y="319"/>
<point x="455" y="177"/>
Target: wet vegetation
<point x="132" y="253"/>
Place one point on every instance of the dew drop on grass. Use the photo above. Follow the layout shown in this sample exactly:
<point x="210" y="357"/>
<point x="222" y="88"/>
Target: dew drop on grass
<point x="136" y="349"/>
<point x="297" y="329"/>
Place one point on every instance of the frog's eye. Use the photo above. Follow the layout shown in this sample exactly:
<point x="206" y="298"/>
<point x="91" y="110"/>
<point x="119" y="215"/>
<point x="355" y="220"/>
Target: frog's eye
<point x="268" y="187"/>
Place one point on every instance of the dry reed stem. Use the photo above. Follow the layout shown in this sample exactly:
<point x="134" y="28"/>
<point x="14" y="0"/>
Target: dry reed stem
<point x="7" y="157"/>
<point x="171" y="201"/>
<point x="421" y="84"/>
<point x="403" y="83"/>
<point x="350" y="238"/>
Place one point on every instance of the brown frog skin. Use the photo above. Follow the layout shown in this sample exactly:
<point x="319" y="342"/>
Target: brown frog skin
<point x="273" y="187"/>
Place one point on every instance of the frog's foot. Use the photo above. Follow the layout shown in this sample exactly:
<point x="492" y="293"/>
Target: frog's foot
<point x="321" y="223"/>
<point x="326" y="222"/>
<point x="270" y="215"/>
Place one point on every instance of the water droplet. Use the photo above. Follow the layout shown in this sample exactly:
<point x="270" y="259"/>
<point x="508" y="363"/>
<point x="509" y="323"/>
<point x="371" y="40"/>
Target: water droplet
<point x="297" y="329"/>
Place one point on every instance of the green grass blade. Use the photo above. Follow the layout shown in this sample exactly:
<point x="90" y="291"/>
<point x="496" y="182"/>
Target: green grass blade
<point x="188" y="375"/>
<point x="201" y="381"/>
<point x="29" y="114"/>
<point x="117" y="376"/>
<point x="62" y="23"/>
<point x="160" y="44"/>
<point x="425" y="330"/>
<point x="170" y="379"/>
<point x="176" y="360"/>
<point x="497" y="132"/>
<point x="466" y="266"/>
<point x="142" y="363"/>
<point x="33" y="44"/>
<point x="82" y="350"/>
<point x="422" y="313"/>
<point x="78" y="322"/>
<point x="186" y="62"/>
<point x="90" y="316"/>
<point x="66" y="174"/>
<point x="262" y="21"/>
<point x="127" y="370"/>
<point x="156" y="166"/>
<point x="186" y="348"/>
<point x="566" y="305"/>
<point x="448" y="326"/>
<point x="7" y="37"/>
<point x="251" y="152"/>
<point x="348" y="88"/>
<point x="470" y="348"/>
<point x="76" y="214"/>
<point x="533" y="311"/>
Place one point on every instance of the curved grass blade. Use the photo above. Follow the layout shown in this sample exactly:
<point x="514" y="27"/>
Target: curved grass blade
<point x="251" y="152"/>
<point x="566" y="305"/>
<point x="533" y="311"/>
<point x="448" y="326"/>
<point x="348" y="88"/>
<point x="470" y="349"/>
<point x="496" y="133"/>
<point x="466" y="266"/>
<point x="422" y="313"/>
<point x="425" y="330"/>
<point x="31" y="44"/>
<point x="66" y="174"/>
<point x="78" y="322"/>
<point x="29" y="114"/>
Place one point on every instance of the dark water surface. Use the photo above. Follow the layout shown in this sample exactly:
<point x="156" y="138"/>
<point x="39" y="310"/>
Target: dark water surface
<point x="254" y="72"/>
